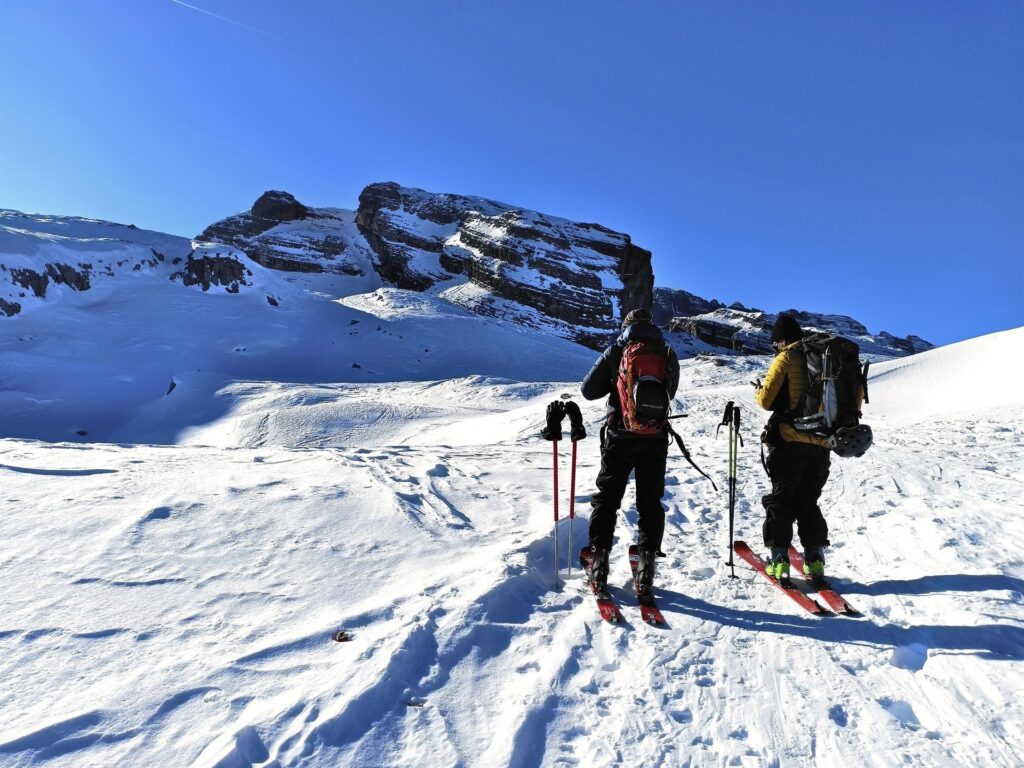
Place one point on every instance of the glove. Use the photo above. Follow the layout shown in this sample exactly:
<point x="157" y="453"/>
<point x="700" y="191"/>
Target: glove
<point x="554" y="416"/>
<point x="575" y="421"/>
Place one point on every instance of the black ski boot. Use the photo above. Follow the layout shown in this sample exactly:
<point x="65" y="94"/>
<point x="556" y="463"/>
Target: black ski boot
<point x="645" y="577"/>
<point x="598" y="572"/>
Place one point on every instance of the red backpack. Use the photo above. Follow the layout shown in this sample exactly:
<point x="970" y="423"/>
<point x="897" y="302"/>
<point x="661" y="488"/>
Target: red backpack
<point x="643" y="387"/>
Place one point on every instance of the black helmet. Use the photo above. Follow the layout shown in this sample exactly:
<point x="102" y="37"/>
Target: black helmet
<point x="851" y="441"/>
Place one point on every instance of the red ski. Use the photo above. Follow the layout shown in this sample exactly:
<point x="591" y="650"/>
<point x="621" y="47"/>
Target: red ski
<point x="648" y="611"/>
<point x="835" y="601"/>
<point x="788" y="588"/>
<point x="609" y="610"/>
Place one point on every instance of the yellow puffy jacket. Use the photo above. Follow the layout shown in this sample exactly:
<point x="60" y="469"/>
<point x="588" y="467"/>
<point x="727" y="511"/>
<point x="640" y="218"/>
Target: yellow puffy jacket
<point x="787" y="376"/>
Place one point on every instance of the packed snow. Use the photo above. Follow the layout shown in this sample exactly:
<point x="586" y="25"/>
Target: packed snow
<point x="178" y="559"/>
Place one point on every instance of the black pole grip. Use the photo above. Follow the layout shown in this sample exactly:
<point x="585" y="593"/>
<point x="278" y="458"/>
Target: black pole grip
<point x="726" y="418"/>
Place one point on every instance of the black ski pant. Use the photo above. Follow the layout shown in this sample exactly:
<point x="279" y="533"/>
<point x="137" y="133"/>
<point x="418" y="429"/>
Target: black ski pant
<point x="798" y="472"/>
<point x="645" y="457"/>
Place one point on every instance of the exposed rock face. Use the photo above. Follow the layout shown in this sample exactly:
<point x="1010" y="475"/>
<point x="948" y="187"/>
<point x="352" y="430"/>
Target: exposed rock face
<point x="281" y="233"/>
<point x="748" y="331"/>
<point x="273" y="207"/>
<point x="579" y="278"/>
<point x="673" y="302"/>
<point x="60" y="274"/>
<point x="212" y="270"/>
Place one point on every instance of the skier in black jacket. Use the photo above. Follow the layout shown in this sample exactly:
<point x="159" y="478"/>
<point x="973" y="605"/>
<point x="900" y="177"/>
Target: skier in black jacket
<point x="623" y="452"/>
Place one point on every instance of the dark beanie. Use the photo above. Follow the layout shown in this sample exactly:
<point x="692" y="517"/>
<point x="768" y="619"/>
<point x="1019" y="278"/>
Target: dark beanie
<point x="637" y="316"/>
<point x="786" y="329"/>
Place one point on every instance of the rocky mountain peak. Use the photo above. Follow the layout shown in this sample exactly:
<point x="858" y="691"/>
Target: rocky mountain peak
<point x="275" y="206"/>
<point x="279" y="232"/>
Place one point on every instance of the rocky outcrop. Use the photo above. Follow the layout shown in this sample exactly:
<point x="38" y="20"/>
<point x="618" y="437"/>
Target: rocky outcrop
<point x="76" y="278"/>
<point x="206" y="271"/>
<point x="670" y="303"/>
<point x="270" y="209"/>
<point x="748" y="331"/>
<point x="281" y="233"/>
<point x="41" y="252"/>
<point x="580" y="277"/>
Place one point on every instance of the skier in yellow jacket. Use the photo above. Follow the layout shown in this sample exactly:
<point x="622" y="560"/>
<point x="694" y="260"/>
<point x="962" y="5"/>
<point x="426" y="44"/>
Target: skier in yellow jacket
<point x="798" y="463"/>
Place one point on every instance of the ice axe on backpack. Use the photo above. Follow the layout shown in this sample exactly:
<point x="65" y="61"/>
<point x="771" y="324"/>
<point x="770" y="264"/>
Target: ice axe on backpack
<point x="556" y="413"/>
<point x="731" y="419"/>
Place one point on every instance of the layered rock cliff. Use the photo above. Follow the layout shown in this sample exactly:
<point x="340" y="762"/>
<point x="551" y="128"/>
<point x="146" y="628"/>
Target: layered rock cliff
<point x="580" y="277"/>
<point x="748" y="331"/>
<point x="571" y="279"/>
<point x="279" y="232"/>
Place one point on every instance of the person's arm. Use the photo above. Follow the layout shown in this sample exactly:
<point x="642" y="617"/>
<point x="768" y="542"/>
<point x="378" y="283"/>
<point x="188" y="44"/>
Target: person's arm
<point x="767" y="392"/>
<point x="673" y="373"/>
<point x="598" y="382"/>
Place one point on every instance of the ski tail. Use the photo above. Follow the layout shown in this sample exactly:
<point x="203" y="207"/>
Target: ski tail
<point x="807" y="603"/>
<point x="835" y="601"/>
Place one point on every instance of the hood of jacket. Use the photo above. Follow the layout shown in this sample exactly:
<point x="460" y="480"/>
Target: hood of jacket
<point x="648" y="332"/>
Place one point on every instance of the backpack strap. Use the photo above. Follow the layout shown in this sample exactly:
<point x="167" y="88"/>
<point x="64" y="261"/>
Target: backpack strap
<point x="864" y="381"/>
<point x="686" y="453"/>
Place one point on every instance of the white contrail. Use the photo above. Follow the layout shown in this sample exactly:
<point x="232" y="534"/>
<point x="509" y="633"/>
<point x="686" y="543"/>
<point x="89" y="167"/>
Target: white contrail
<point x="229" y="21"/>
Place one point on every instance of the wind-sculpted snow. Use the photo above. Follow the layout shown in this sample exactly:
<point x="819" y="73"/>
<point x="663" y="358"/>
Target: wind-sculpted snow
<point x="175" y="605"/>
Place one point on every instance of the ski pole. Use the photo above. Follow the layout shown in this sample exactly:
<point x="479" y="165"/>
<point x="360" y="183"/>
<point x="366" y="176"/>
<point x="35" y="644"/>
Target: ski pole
<point x="572" y="505"/>
<point x="553" y="431"/>
<point x="576" y="433"/>
<point x="554" y="446"/>
<point x="735" y="436"/>
<point x="731" y="419"/>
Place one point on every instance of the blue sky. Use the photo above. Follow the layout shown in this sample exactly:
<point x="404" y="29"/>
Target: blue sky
<point x="864" y="158"/>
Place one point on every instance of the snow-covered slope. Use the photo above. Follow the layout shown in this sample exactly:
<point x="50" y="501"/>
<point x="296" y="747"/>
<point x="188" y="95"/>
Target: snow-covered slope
<point x="140" y="356"/>
<point x="980" y="375"/>
<point x="46" y="260"/>
<point x="367" y="458"/>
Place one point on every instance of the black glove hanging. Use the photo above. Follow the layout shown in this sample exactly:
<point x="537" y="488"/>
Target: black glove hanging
<point x="554" y="416"/>
<point x="578" y="431"/>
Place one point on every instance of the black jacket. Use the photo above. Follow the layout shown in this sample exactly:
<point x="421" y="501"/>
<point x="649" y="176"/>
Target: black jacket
<point x="602" y="377"/>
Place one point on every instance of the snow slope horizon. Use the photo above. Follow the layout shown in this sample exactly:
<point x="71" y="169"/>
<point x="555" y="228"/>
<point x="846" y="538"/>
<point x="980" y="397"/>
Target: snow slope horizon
<point x="179" y="606"/>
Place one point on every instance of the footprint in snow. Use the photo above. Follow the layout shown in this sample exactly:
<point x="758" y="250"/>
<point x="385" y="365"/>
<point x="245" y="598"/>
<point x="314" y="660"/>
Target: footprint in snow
<point x="838" y="715"/>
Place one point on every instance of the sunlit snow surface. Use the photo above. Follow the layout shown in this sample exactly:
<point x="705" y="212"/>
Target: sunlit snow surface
<point x="169" y="593"/>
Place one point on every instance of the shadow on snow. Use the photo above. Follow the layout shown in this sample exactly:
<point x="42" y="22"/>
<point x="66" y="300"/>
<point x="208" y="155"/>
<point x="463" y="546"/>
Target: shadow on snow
<point x="987" y="641"/>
